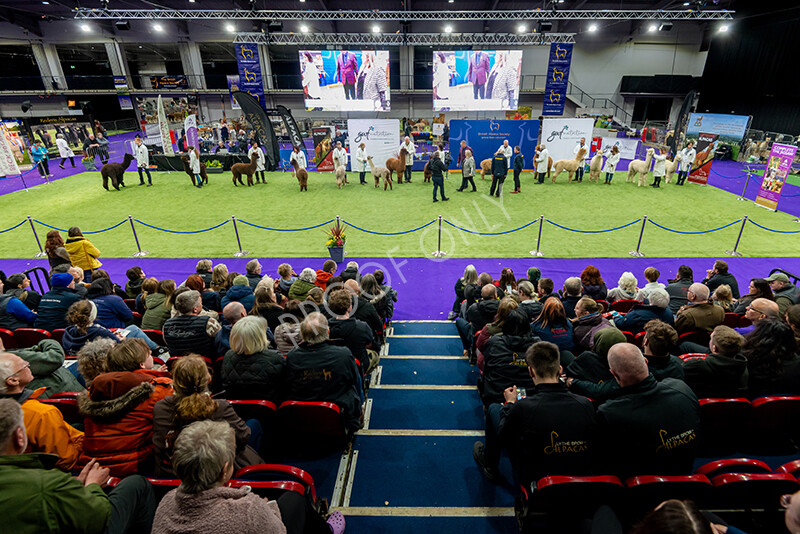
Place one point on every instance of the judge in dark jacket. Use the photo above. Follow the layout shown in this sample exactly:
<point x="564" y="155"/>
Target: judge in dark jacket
<point x="499" y="171"/>
<point x="519" y="163"/>
<point x="638" y="316"/>
<point x="504" y="358"/>
<point x="250" y="370"/>
<point x="650" y="427"/>
<point x="723" y="373"/>
<point x="437" y="168"/>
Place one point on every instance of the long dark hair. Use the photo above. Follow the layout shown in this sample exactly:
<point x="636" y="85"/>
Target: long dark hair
<point x="54" y="240"/>
<point x="768" y="346"/>
<point x="672" y="517"/>
<point x="762" y="290"/>
<point x="552" y="313"/>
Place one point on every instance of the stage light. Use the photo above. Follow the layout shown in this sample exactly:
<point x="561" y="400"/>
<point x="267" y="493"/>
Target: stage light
<point x="522" y="28"/>
<point x="450" y="1"/>
<point x="86" y="28"/>
<point x="191" y="1"/>
<point x="376" y="29"/>
<point x="45" y="2"/>
<point x="723" y="28"/>
<point x="302" y="1"/>
<point x="652" y="28"/>
<point x="230" y="28"/>
<point x="448" y="29"/>
<point x="304" y="28"/>
<point x="686" y="4"/>
<point x="545" y="26"/>
<point x="158" y="27"/>
<point x="593" y="28"/>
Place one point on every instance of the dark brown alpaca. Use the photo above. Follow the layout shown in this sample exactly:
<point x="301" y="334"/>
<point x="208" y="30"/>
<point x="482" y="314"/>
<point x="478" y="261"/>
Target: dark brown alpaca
<point x="115" y="171"/>
<point x="238" y="169"/>
<point x="427" y="172"/>
<point x="188" y="170"/>
<point x="302" y="175"/>
<point x="397" y="165"/>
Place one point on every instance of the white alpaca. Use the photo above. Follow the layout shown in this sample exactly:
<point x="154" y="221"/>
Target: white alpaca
<point x="569" y="165"/>
<point x="341" y="173"/>
<point x="641" y="168"/>
<point x="672" y="166"/>
<point x="380" y="172"/>
<point x="595" y="166"/>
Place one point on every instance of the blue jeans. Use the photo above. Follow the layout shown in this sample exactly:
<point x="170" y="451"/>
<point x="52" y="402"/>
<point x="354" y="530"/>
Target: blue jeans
<point x="136" y="332"/>
<point x="438" y="183"/>
<point x="256" y="431"/>
<point x="465" y="332"/>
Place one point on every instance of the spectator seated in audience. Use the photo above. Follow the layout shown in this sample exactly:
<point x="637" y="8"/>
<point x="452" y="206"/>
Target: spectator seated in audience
<point x="718" y="275"/>
<point x="772" y="362"/>
<point x="502" y="356"/>
<point x="149" y="285"/>
<point x="470" y="279"/>
<point x="546" y="287"/>
<point x="47" y="430"/>
<point x="18" y="285"/>
<point x="303" y="284"/>
<point x="219" y="279"/>
<point x="723" y="373"/>
<point x="758" y="310"/>
<point x="211" y="299"/>
<point x="507" y="284"/>
<point x="52" y="313"/>
<point x="250" y="370"/>
<point x="189" y="332"/>
<point x="136" y="278"/>
<point x="792" y="318"/>
<point x="676" y="516"/>
<point x="593" y="366"/>
<point x="112" y="312"/>
<point x="506" y="306"/>
<point x="552" y="325"/>
<point x="786" y="294"/>
<point x="570" y="295"/>
<point x="649" y="427"/>
<point x="593" y="285"/>
<point x="351" y="272"/>
<point x="240" y="291"/>
<point x="699" y="314"/>
<point x="14" y="313"/>
<point x="315" y="302"/>
<point x="326" y="273"/>
<point x="588" y="321"/>
<point x="231" y="314"/>
<point x="478" y="315"/>
<point x="36" y="497"/>
<point x="266" y="305"/>
<point x="534" y="275"/>
<point x="723" y="298"/>
<point x="253" y="273"/>
<point x="118" y="410"/>
<point x="758" y="289"/>
<point x="92" y="359"/>
<point x="363" y="310"/>
<point x="651" y="274"/>
<point x="319" y="371"/>
<point x="97" y="274"/>
<point x="158" y="306"/>
<point x="204" y="457"/>
<point x="81" y="287"/>
<point x="656" y="307"/>
<point x="354" y="334"/>
<point x="548" y="432"/>
<point x="391" y="294"/>
<point x="82" y="329"/>
<point x="528" y="303"/>
<point x="47" y="366"/>
<point x="627" y="288"/>
<point x="192" y="402"/>
<point x="204" y="270"/>
<point x="678" y="288"/>
<point x="376" y="296"/>
<point x="288" y="277"/>
<point x="287" y="335"/>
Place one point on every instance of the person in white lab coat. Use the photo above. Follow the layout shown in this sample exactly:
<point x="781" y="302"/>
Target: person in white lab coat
<point x="300" y="157"/>
<point x="142" y="161"/>
<point x="687" y="159"/>
<point x="261" y="160"/>
<point x="64" y="151"/>
<point x="659" y="168"/>
<point x="411" y="149"/>
<point x="340" y="155"/>
<point x="194" y="165"/>
<point x="360" y="164"/>
<point x="542" y="161"/>
<point x="508" y="152"/>
<point x="611" y="164"/>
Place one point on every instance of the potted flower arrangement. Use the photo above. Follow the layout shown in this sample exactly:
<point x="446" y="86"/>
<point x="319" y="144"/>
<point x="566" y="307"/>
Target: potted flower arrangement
<point x="88" y="163"/>
<point x="335" y="240"/>
<point x="214" y="166"/>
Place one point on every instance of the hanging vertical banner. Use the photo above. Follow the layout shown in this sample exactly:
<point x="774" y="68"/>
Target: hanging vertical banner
<point x="249" y="62"/>
<point x="163" y="129"/>
<point x="233" y="86"/>
<point x="124" y="97"/>
<point x="8" y="164"/>
<point x="778" y="166"/>
<point x="190" y="126"/>
<point x="291" y="126"/>
<point x="555" y="90"/>
<point x="706" y="147"/>
<point x="261" y="125"/>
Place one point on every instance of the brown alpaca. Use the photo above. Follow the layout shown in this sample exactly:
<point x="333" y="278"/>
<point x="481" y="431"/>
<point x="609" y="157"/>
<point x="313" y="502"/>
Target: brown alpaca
<point x="188" y="170"/>
<point x="486" y="167"/>
<point x="570" y="165"/>
<point x="397" y="165"/>
<point x="427" y="174"/>
<point x="380" y="172"/>
<point x="302" y="176"/>
<point x="238" y="169"/>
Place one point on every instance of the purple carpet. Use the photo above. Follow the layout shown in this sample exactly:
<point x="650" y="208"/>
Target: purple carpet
<point x="425" y="286"/>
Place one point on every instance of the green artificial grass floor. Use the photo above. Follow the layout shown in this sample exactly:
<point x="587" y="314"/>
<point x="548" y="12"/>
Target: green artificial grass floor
<point x="175" y="205"/>
<point x="793" y="179"/>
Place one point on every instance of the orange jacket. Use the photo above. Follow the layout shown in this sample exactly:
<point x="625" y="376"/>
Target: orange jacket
<point x="119" y="419"/>
<point x="48" y="432"/>
<point x="322" y="279"/>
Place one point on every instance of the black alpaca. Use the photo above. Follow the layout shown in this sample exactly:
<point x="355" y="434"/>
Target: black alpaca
<point x="115" y="171"/>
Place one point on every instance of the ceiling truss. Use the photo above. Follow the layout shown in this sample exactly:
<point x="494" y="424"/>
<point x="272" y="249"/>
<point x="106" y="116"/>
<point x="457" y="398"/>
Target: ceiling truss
<point x="407" y="39"/>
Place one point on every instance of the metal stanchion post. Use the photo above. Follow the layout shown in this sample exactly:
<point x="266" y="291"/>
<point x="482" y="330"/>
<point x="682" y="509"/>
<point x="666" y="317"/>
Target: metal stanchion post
<point x="746" y="181"/>
<point x="41" y="252"/>
<point x="538" y="251"/>
<point x="439" y="253"/>
<point x="734" y="252"/>
<point x="141" y="253"/>
<point x="636" y="252"/>
<point x="238" y="241"/>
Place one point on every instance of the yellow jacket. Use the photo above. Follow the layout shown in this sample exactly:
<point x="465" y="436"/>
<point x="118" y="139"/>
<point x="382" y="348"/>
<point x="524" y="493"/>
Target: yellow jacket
<point x="48" y="432"/>
<point x="82" y="253"/>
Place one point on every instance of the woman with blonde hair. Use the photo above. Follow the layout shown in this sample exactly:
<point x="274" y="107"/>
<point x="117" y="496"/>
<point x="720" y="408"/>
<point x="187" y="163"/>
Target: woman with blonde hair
<point x="469" y="280"/>
<point x="627" y="288"/>
<point x="250" y="370"/>
<point x="192" y="402"/>
<point x="723" y="297"/>
<point x="219" y="279"/>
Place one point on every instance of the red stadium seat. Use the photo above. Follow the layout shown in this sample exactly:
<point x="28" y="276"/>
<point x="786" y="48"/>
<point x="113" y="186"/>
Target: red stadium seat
<point x="67" y="407"/>
<point x="731" y="320"/>
<point x="793" y="468"/>
<point x="558" y="492"/>
<point x="693" y="356"/>
<point x="744" y="321"/>
<point x="7" y="337"/>
<point x="638" y="339"/>
<point x="723" y="425"/>
<point x="131" y="303"/>
<point x="630" y="337"/>
<point x="262" y="410"/>
<point x="271" y="489"/>
<point x="695" y="336"/>
<point x="603" y="304"/>
<point x="624" y="306"/>
<point x="752" y="490"/>
<point x="28" y="337"/>
<point x="156" y="336"/>
<point x="772" y="424"/>
<point x="65" y="395"/>
<point x="647" y="491"/>
<point x="733" y="465"/>
<point x="275" y="472"/>
<point x="162" y="486"/>
<point x="57" y="334"/>
<point x="317" y="417"/>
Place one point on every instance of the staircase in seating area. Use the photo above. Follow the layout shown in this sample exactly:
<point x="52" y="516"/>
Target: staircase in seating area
<point x="411" y="466"/>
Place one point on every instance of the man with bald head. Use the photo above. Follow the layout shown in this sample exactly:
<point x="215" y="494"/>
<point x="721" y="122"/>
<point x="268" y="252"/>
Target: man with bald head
<point x="759" y="310"/>
<point x="699" y="314"/>
<point x="650" y="427"/>
<point x="231" y="313"/>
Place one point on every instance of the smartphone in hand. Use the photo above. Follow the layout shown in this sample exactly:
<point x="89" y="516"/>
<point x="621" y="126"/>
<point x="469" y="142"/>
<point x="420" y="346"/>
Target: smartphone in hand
<point x="521" y="393"/>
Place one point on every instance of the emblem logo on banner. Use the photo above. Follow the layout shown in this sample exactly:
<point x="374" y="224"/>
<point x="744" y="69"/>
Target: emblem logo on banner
<point x="249" y="63"/>
<point x="124" y="97"/>
<point x="561" y="136"/>
<point x="381" y="138"/>
<point x="557" y="79"/>
<point x="778" y="166"/>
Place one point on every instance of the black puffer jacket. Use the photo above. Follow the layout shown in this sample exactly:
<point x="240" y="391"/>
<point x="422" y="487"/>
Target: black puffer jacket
<point x="717" y="375"/>
<point x="504" y="365"/>
<point x="253" y="376"/>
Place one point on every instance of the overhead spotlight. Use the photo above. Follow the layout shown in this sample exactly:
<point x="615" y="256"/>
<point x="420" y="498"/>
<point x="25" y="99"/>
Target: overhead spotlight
<point x="304" y="28"/>
<point x="665" y="27"/>
<point x="593" y="28"/>
<point x="252" y="5"/>
<point x="686" y="4"/>
<point x="448" y="29"/>
<point x="376" y="29"/>
<point x="230" y="28"/>
<point x="723" y="28"/>
<point x="652" y="28"/>
<point x="158" y="27"/>
<point x="302" y="1"/>
<point x="522" y="28"/>
<point x="545" y="26"/>
<point x="191" y="1"/>
<point x="451" y="1"/>
<point x="104" y="4"/>
<point x="26" y="106"/>
<point x="86" y="28"/>
<point x="122" y="25"/>
<point x="45" y="2"/>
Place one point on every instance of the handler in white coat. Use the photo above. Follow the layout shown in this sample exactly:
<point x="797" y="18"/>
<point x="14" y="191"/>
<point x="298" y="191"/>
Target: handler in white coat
<point x="194" y="166"/>
<point x="687" y="159"/>
<point x="508" y="152"/>
<point x="142" y="161"/>
<point x="64" y="151"/>
<point x="578" y="146"/>
<point x="411" y="150"/>
<point x="360" y="165"/>
<point x="340" y="156"/>
<point x="542" y="161"/>
<point x="261" y="160"/>
<point x="300" y="157"/>
<point x="659" y="168"/>
<point x="611" y="164"/>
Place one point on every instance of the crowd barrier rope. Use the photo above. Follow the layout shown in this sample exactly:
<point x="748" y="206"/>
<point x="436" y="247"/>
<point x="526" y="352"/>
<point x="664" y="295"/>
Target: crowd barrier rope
<point x="537" y="252"/>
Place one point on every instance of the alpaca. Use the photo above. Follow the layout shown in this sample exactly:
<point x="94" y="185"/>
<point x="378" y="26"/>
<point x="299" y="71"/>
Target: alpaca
<point x="397" y="165"/>
<point x="570" y="165"/>
<point x="116" y="172"/>
<point x="380" y="172"/>
<point x="302" y="176"/>
<point x="426" y="173"/>
<point x="641" y="168"/>
<point x="238" y="169"/>
<point x="486" y="166"/>
<point x="595" y="166"/>
<point x="188" y="170"/>
<point x="672" y="166"/>
<point x="341" y="173"/>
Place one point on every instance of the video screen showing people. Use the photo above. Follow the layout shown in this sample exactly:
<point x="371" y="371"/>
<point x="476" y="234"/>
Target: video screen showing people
<point x="476" y="80"/>
<point x="345" y="80"/>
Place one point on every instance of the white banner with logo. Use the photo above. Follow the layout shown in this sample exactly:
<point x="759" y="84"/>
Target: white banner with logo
<point x="190" y="126"/>
<point x="163" y="127"/>
<point x="8" y="164"/>
<point x="381" y="138"/>
<point x="627" y="146"/>
<point x="560" y="136"/>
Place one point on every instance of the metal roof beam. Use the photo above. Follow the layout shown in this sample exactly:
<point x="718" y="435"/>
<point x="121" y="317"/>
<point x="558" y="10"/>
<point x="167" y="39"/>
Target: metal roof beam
<point x="454" y="39"/>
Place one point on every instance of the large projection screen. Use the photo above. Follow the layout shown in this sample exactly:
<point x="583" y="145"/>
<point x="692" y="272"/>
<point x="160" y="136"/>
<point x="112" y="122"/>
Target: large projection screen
<point x="476" y="80"/>
<point x="345" y="80"/>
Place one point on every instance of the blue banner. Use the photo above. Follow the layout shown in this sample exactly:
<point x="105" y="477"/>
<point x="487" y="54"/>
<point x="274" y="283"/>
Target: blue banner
<point x="249" y="62"/>
<point x="124" y="97"/>
<point x="485" y="137"/>
<point x="555" y="90"/>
